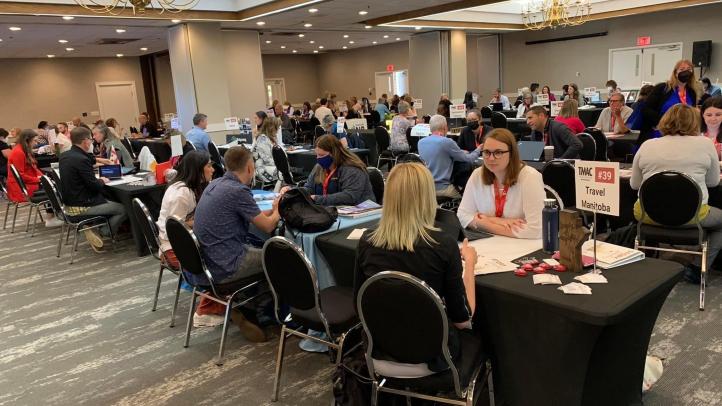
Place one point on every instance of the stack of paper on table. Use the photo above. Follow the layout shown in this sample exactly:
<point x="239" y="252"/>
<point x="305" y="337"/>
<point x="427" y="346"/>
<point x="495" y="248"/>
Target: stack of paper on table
<point x="610" y="255"/>
<point x="363" y="209"/>
<point x="486" y="265"/>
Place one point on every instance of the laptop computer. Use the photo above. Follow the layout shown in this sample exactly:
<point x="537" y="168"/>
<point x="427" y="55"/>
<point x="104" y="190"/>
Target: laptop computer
<point x="531" y="150"/>
<point x="447" y="221"/>
<point x="497" y="106"/>
<point x="110" y="171"/>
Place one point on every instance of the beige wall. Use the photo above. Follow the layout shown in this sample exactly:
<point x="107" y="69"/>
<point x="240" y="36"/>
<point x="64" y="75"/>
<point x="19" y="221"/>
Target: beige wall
<point x="425" y="76"/>
<point x="457" y="64"/>
<point x="164" y="84"/>
<point x="557" y="63"/>
<point x="59" y="89"/>
<point x="300" y="74"/>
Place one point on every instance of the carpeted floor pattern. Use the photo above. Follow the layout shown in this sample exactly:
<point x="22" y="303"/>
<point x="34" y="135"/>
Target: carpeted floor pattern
<point x="84" y="334"/>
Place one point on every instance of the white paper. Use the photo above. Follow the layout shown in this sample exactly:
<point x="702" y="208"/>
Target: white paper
<point x="421" y="130"/>
<point x="551" y="261"/>
<point x="176" y="146"/>
<point x="418" y="103"/>
<point x="124" y="180"/>
<point x="556" y="107"/>
<point x="597" y="186"/>
<point x="576" y="288"/>
<point x="231" y="123"/>
<point x="457" y="111"/>
<point x="175" y="123"/>
<point x="591" y="278"/>
<point x="542" y="98"/>
<point x="546" y="279"/>
<point x="356" y="234"/>
<point x="486" y="265"/>
<point x="610" y="255"/>
<point x="340" y="125"/>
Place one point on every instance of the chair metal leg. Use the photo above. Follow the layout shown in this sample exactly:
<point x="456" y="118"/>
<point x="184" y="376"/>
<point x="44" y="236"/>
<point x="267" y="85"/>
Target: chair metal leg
<point x="7" y="211"/>
<point x="339" y="351"/>
<point x="189" y="324"/>
<point x="703" y="276"/>
<point x="35" y="220"/>
<point x="75" y="244"/>
<point x="15" y="216"/>
<point x="30" y="214"/>
<point x="67" y="236"/>
<point x="490" y="383"/>
<point x="279" y="363"/>
<point x="175" y="302"/>
<point x="60" y="243"/>
<point x="374" y="393"/>
<point x="157" y="288"/>
<point x="224" y="332"/>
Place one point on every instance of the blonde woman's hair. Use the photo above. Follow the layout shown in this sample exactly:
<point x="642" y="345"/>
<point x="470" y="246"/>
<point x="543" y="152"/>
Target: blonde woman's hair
<point x="409" y="209"/>
<point x="680" y="119"/>
<point x="569" y="108"/>
<point x="269" y="128"/>
<point x="692" y="83"/>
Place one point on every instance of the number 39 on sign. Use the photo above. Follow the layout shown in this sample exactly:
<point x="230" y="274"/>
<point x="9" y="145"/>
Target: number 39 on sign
<point x="604" y="175"/>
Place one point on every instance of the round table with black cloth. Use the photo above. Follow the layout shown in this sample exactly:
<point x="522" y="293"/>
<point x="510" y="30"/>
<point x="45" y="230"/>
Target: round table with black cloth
<point x="159" y="148"/>
<point x="549" y="348"/>
<point x="151" y="196"/>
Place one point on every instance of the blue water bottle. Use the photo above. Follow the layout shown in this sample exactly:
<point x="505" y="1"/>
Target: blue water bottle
<point x="550" y="226"/>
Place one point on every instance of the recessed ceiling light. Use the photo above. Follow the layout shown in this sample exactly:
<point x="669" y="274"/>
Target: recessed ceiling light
<point x="260" y="23"/>
<point x="175" y="21"/>
<point x="363" y="12"/>
<point x="51" y="56"/>
<point x="120" y="30"/>
<point x="315" y="51"/>
<point x="398" y="39"/>
<point x="311" y="42"/>
<point x="15" y="28"/>
<point x="63" y="41"/>
<point x="313" y="10"/>
<point x="70" y="49"/>
<point x="344" y="47"/>
<point x="68" y="18"/>
<point x="375" y="42"/>
<point x="1" y="40"/>
<point x="417" y="28"/>
<point x="368" y="26"/>
<point x="294" y="51"/>
<point x="144" y="49"/>
<point x="119" y="55"/>
<point x="268" y="41"/>
<point x="320" y="47"/>
<point x="308" y="25"/>
<point x="351" y="42"/>
<point x="386" y="36"/>
<point x="283" y="47"/>
<point x="301" y="35"/>
<point x="345" y="36"/>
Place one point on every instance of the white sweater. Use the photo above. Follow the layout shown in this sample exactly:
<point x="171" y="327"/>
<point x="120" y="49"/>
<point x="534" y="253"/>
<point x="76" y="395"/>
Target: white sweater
<point x="178" y="201"/>
<point x="523" y="200"/>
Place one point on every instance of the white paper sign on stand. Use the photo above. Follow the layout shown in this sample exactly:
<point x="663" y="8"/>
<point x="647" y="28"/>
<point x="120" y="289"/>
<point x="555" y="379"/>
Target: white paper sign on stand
<point x="232" y="123"/>
<point x="542" y="98"/>
<point x="418" y="104"/>
<point x="341" y="125"/>
<point x="421" y="130"/>
<point x="175" y="123"/>
<point x="176" y="146"/>
<point x="457" y="111"/>
<point x="597" y="186"/>
<point x="556" y="107"/>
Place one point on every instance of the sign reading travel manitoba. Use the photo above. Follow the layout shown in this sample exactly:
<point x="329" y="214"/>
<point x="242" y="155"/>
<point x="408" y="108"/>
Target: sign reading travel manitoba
<point x="597" y="186"/>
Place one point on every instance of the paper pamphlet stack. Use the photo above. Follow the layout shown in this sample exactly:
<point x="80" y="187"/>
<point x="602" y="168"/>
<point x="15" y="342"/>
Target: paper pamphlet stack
<point x="363" y="209"/>
<point x="486" y="265"/>
<point x="610" y="255"/>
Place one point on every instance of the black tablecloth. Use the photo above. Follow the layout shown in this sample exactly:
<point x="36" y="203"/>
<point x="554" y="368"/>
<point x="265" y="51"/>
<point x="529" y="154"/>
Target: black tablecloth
<point x="549" y="348"/>
<point x="160" y="150"/>
<point x="44" y="161"/>
<point x="152" y="196"/>
<point x="340" y="252"/>
<point x="590" y="116"/>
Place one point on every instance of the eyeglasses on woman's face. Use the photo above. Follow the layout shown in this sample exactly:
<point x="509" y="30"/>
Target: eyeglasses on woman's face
<point x="497" y="153"/>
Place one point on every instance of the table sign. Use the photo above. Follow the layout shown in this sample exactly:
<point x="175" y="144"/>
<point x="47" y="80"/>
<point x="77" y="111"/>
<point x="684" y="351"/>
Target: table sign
<point x="421" y="130"/>
<point x="542" y="98"/>
<point x="232" y="123"/>
<point x="572" y="235"/>
<point x="418" y="103"/>
<point x="341" y="125"/>
<point x="175" y="123"/>
<point x="168" y="116"/>
<point x="176" y="146"/>
<point x="556" y="107"/>
<point x="457" y="111"/>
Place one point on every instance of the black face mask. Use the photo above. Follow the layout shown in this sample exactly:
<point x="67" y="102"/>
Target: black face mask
<point x="684" y="76"/>
<point x="473" y="125"/>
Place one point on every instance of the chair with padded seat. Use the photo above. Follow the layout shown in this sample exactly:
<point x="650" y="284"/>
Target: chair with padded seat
<point x="404" y="320"/>
<point x="600" y="142"/>
<point x="35" y="202"/>
<point x="498" y="120"/>
<point x="188" y="251"/>
<point x="589" y="147"/>
<point x="377" y="183"/>
<point x="74" y="223"/>
<point x="410" y="157"/>
<point x="280" y="159"/>
<point x="150" y="232"/>
<point x="10" y="204"/>
<point x="293" y="282"/>
<point x="672" y="221"/>
<point x="217" y="160"/>
<point x="386" y="155"/>
<point x="486" y="112"/>
<point x="559" y="175"/>
<point x="127" y="144"/>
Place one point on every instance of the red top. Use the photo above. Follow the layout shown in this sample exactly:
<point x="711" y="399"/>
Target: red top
<point x="574" y="123"/>
<point x="29" y="173"/>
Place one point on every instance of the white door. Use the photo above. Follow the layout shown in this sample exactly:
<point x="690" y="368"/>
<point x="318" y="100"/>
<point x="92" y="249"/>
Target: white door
<point x="275" y="90"/>
<point x="401" y="82"/>
<point x="632" y="66"/>
<point x="625" y="67"/>
<point x="384" y="82"/>
<point x="658" y="62"/>
<point x="118" y="100"/>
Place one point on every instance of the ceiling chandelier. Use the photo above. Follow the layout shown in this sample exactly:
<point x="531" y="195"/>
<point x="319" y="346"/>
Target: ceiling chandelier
<point x="538" y="15"/>
<point x="116" y="7"/>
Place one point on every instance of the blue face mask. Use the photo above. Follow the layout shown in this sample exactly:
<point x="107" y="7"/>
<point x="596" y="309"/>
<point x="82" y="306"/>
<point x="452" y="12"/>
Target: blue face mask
<point x="325" y="162"/>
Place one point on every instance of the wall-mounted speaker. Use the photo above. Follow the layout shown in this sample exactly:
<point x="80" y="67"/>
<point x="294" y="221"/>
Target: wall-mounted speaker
<point x="701" y="53"/>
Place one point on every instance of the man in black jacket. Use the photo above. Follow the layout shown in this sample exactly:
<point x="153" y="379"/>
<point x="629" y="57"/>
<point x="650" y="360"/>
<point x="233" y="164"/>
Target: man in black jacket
<point x="566" y="144"/>
<point x="82" y="191"/>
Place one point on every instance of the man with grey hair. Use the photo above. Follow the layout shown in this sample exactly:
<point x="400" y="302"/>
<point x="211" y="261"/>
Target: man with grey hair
<point x="613" y="118"/>
<point x="441" y="153"/>
<point x="197" y="135"/>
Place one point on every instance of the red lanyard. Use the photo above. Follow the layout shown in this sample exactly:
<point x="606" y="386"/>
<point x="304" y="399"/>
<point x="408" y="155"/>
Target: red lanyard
<point x="500" y="198"/>
<point x="480" y="137"/>
<point x="611" y="126"/>
<point x="326" y="181"/>
<point x="682" y="93"/>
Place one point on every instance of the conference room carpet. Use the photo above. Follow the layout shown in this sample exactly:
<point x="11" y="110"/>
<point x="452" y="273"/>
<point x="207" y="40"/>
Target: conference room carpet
<point x="83" y="334"/>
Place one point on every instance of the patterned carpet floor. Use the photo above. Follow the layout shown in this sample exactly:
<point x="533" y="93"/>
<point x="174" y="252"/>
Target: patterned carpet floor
<point x="84" y="334"/>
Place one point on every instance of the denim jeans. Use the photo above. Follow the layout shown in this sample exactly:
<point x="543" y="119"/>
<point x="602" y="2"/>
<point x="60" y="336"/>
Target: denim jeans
<point x="114" y="210"/>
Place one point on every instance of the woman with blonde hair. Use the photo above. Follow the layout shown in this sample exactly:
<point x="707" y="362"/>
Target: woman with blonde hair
<point x="406" y="240"/>
<point x="266" y="170"/>
<point x="504" y="196"/>
<point x="682" y="149"/>
<point x="569" y="116"/>
<point x="681" y="88"/>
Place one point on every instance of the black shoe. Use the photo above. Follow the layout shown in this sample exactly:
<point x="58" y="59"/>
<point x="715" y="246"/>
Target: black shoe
<point x="692" y="274"/>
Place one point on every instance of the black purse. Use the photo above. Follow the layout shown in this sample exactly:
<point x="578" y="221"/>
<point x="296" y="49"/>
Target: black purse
<point x="301" y="213"/>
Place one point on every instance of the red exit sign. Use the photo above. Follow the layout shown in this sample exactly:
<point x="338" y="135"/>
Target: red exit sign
<point x="642" y="41"/>
<point x="389" y="68"/>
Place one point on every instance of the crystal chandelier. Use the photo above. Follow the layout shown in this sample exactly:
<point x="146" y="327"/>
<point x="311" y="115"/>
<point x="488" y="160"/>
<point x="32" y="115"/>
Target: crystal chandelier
<point x="538" y="15"/>
<point x="116" y="7"/>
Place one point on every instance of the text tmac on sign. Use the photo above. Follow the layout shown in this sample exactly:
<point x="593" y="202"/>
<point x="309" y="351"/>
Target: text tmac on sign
<point x="597" y="186"/>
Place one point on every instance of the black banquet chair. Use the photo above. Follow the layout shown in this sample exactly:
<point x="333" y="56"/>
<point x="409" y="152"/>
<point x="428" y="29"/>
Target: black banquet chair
<point x="35" y="202"/>
<point x="293" y="282"/>
<point x="377" y="183"/>
<point x="217" y="160"/>
<point x="383" y="140"/>
<point x="559" y="175"/>
<point x="150" y="232"/>
<point x="486" y="112"/>
<point x="404" y="319"/>
<point x="676" y="220"/>
<point x="280" y="159"/>
<point x="589" y="147"/>
<point x="410" y="157"/>
<point x="601" y="143"/>
<point x="188" y="251"/>
<point x="71" y="223"/>
<point x="498" y="120"/>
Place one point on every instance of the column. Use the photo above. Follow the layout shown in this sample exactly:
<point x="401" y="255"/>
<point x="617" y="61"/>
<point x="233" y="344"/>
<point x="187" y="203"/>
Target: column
<point x="457" y="65"/>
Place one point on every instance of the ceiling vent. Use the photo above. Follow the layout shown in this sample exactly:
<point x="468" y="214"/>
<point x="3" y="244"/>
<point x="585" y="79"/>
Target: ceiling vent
<point x="116" y="41"/>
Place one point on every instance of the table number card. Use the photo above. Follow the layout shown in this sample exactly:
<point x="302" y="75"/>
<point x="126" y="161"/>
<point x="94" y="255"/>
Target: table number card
<point x="232" y="123"/>
<point x="457" y="111"/>
<point x="542" y="99"/>
<point x="556" y="107"/>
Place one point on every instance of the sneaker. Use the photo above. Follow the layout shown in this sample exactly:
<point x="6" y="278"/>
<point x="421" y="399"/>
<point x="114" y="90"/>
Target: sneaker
<point x="692" y="274"/>
<point x="53" y="222"/>
<point x="313" y="345"/>
<point x="249" y="331"/>
<point x="207" y="320"/>
<point x="95" y="240"/>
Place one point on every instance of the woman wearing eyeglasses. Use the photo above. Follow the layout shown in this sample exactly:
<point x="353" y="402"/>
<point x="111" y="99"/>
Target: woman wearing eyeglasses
<point x="504" y="196"/>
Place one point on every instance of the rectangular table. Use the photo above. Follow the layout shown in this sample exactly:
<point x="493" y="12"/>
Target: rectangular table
<point x="549" y="348"/>
<point x="157" y="146"/>
<point x="151" y="196"/>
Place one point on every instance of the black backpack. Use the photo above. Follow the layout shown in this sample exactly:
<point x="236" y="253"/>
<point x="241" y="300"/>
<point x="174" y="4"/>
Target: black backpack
<point x="301" y="213"/>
